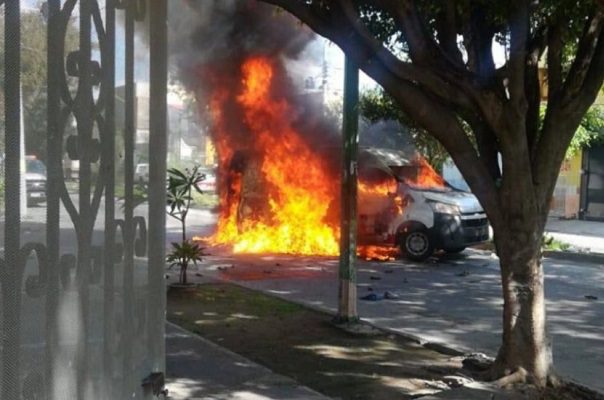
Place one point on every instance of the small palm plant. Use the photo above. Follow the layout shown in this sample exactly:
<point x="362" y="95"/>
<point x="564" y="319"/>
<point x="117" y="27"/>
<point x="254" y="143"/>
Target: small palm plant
<point x="180" y="189"/>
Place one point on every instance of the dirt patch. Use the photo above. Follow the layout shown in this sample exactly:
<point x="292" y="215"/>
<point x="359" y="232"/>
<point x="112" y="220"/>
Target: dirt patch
<point x="304" y="345"/>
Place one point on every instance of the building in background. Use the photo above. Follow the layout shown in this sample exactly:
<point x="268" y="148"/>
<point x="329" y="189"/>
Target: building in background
<point x="566" y="199"/>
<point x="591" y="201"/>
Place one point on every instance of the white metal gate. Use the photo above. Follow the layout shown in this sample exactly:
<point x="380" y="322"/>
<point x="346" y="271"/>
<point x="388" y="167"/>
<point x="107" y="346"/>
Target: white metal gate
<point x="82" y="261"/>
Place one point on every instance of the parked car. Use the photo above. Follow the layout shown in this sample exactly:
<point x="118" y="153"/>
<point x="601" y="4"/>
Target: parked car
<point x="141" y="173"/>
<point x="35" y="180"/>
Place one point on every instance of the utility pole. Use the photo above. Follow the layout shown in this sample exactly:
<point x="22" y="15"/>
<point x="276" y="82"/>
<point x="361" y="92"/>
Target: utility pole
<point x="347" y="305"/>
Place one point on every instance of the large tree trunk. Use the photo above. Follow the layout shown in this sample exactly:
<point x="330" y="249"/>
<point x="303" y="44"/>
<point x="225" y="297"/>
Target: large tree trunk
<point x="526" y="349"/>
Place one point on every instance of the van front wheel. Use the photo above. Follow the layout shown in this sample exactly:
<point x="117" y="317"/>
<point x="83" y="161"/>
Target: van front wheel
<point x="416" y="244"/>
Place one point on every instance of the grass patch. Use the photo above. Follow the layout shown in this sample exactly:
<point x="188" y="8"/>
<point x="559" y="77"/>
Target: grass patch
<point x="552" y="244"/>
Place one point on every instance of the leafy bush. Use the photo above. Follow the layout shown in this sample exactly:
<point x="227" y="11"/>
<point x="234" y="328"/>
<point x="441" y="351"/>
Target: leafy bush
<point x="181" y="185"/>
<point x="182" y="255"/>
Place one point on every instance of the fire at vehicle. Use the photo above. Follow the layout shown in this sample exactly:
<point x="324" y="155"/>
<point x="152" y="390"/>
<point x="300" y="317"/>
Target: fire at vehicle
<point x="420" y="212"/>
<point x="280" y="194"/>
<point x="275" y="191"/>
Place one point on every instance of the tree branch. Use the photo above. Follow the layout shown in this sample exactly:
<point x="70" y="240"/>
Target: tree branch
<point x="447" y="90"/>
<point x="486" y="141"/>
<point x="585" y="52"/>
<point x="554" y="60"/>
<point x="478" y="40"/>
<point x="313" y="14"/>
<point x="447" y="31"/>
<point x="533" y="96"/>
<point x="519" y="36"/>
<point x="422" y="46"/>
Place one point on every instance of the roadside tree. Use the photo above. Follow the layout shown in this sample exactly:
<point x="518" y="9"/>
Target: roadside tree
<point x="435" y="58"/>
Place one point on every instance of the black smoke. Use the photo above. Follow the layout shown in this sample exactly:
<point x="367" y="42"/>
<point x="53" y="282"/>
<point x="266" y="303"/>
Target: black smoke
<point x="207" y="32"/>
<point x="210" y="39"/>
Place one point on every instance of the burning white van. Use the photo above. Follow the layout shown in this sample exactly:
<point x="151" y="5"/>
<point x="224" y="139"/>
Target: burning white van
<point x="403" y="201"/>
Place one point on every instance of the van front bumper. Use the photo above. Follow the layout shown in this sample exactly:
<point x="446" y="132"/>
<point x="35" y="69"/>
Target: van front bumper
<point x="454" y="231"/>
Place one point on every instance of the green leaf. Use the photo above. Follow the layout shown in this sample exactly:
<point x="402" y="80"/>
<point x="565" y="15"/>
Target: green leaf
<point x="173" y="172"/>
<point x="198" y="189"/>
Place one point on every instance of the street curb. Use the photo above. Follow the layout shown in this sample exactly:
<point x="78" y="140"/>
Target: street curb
<point x="595" y="258"/>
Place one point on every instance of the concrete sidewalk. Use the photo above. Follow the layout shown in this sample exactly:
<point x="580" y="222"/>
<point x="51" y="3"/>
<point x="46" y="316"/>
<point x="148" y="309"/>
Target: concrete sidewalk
<point x="584" y="236"/>
<point x="199" y="369"/>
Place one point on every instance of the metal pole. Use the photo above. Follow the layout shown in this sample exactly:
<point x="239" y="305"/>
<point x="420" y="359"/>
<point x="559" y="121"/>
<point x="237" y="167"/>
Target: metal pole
<point x="22" y="162"/>
<point x="158" y="125"/>
<point x="108" y="163"/>
<point x="54" y="183"/>
<point x="11" y="276"/>
<point x="129" y="148"/>
<point x="84" y="113"/>
<point x="347" y="306"/>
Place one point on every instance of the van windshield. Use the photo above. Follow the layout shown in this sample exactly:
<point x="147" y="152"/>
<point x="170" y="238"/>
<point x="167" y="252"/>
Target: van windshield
<point x="421" y="176"/>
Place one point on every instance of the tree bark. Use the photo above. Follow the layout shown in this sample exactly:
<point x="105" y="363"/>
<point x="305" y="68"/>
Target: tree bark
<point x="183" y="274"/>
<point x="526" y="345"/>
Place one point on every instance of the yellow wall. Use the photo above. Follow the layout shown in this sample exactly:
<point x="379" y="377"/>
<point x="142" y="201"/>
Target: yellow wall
<point x="210" y="152"/>
<point x="571" y="170"/>
<point x="566" y="201"/>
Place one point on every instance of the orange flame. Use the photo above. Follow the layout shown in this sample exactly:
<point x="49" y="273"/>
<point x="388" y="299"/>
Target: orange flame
<point x="377" y="253"/>
<point x="297" y="188"/>
<point x="426" y="176"/>
<point x="379" y="189"/>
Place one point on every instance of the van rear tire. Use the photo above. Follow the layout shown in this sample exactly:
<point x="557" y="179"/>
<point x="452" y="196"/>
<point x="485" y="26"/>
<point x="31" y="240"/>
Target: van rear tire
<point x="416" y="244"/>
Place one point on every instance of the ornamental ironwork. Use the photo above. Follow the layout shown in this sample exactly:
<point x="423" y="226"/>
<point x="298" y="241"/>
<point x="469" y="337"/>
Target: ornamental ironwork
<point x="78" y="316"/>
